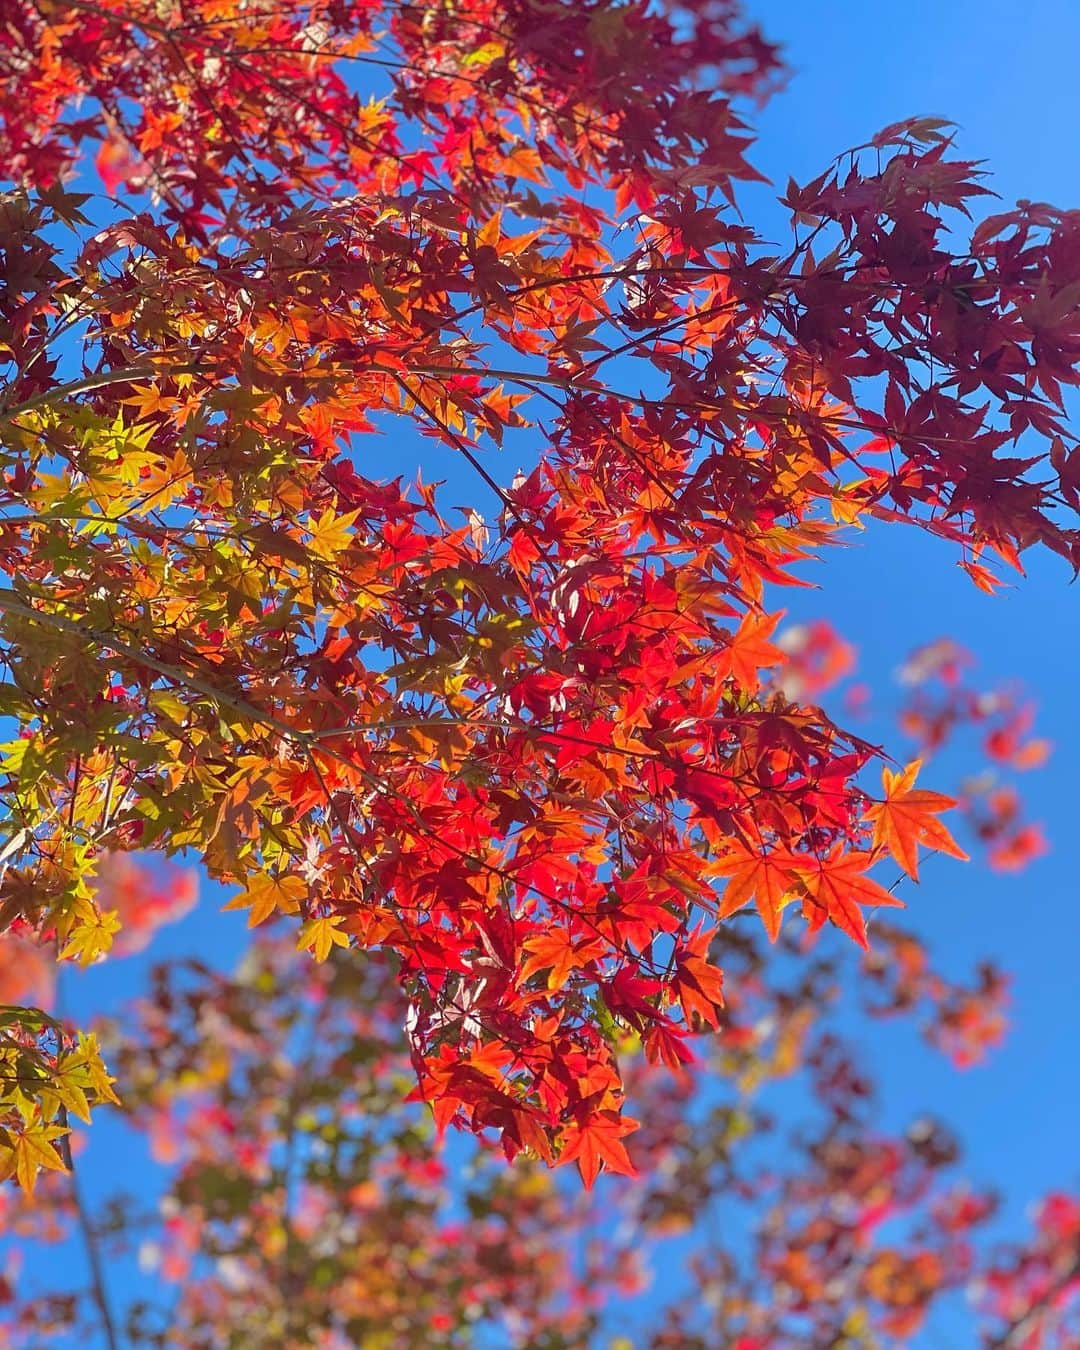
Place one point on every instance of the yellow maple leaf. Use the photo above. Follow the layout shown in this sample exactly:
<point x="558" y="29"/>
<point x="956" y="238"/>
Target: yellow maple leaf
<point x="331" y="534"/>
<point x="99" y="1077"/>
<point x="848" y="504"/>
<point x="264" y="894"/>
<point x="92" y="938"/>
<point x="33" y="1152"/>
<point x="320" y="936"/>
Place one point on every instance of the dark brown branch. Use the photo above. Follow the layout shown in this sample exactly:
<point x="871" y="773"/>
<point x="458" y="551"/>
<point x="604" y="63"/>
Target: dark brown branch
<point x="98" y="1288"/>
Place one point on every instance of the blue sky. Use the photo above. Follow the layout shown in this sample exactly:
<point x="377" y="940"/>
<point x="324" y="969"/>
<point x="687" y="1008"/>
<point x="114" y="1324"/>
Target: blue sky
<point x="1006" y="73"/>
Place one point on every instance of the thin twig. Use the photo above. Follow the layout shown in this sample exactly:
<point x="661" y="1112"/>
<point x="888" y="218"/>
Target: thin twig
<point x="1015" y="1332"/>
<point x="98" y="1288"/>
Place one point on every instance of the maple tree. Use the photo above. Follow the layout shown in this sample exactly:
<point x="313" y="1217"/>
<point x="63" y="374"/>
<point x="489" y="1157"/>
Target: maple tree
<point x="305" y="1202"/>
<point x="539" y="757"/>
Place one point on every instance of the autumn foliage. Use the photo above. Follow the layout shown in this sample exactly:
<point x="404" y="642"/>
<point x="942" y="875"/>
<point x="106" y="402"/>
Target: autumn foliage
<point x="522" y="760"/>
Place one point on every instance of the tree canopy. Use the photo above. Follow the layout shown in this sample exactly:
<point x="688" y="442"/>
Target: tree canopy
<point x="509" y="768"/>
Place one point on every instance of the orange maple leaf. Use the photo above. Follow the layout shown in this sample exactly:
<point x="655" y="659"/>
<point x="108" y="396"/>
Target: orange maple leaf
<point x="906" y="819"/>
<point x="836" y="888"/>
<point x="558" y="954"/>
<point x="750" y="649"/>
<point x="762" y="877"/>
<point x="698" y="984"/>
<point x="599" y="1141"/>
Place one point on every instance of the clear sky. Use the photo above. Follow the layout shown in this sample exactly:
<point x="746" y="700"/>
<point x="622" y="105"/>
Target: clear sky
<point x="1006" y="72"/>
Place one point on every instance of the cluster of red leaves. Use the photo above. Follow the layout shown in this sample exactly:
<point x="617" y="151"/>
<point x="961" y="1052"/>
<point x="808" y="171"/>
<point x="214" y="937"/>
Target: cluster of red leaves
<point x="142" y="896"/>
<point x="532" y="757"/>
<point x="817" y="658"/>
<point x="1035" y="1289"/>
<point x="964" y="1022"/>
<point x="943" y="702"/>
<point x="940" y="705"/>
<point x="27" y="969"/>
<point x="307" y="1205"/>
<point x="858" y="1233"/>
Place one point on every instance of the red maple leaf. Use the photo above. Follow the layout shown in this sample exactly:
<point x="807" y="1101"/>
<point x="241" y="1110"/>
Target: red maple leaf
<point x="598" y="1143"/>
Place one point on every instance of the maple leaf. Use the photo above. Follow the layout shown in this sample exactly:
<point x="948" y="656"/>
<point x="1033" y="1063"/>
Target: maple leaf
<point x="1017" y="849"/>
<point x="666" y="1044"/>
<point x="698" y="984"/>
<point x="80" y="1072"/>
<point x="321" y="936"/>
<point x="749" y="649"/>
<point x="115" y="163"/>
<point x="92" y="938"/>
<point x="598" y="1143"/>
<point x="836" y="888"/>
<point x="32" y="1152"/>
<point x="265" y="893"/>
<point x="906" y="819"/>
<point x="331" y="534"/>
<point x="557" y="953"/>
<point x="763" y="877"/>
<point x="217" y="629"/>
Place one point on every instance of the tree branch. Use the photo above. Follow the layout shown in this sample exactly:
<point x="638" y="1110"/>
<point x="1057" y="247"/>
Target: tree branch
<point x="98" y="1288"/>
<point x="1015" y="1332"/>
